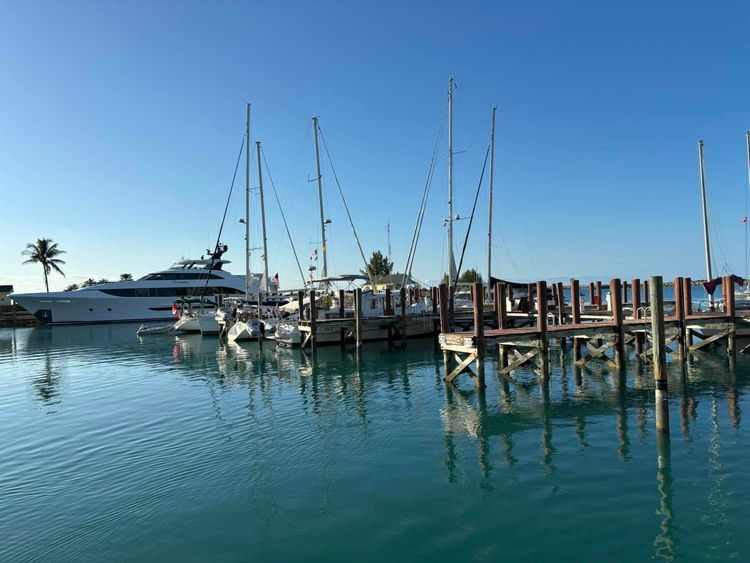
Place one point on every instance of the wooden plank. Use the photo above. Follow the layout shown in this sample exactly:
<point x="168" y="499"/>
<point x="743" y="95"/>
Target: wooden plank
<point x="519" y="361"/>
<point x="703" y="343"/>
<point x="460" y="368"/>
<point x="467" y="370"/>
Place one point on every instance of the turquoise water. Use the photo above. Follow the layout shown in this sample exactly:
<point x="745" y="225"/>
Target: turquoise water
<point x="164" y="449"/>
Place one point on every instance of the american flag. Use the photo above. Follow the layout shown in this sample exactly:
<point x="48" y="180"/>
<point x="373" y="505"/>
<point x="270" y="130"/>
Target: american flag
<point x="314" y="255"/>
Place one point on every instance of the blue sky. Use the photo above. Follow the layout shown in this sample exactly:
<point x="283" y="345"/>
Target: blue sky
<point x="121" y="122"/>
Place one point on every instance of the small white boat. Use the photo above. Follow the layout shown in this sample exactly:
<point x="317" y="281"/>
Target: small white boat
<point x="251" y="329"/>
<point x="287" y="333"/>
<point x="161" y="329"/>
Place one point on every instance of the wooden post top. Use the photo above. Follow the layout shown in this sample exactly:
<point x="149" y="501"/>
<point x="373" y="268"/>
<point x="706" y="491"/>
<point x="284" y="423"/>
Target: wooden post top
<point x="728" y="287"/>
<point x="687" y="296"/>
<point x="615" y="299"/>
<point x="679" y="303"/>
<point x="477" y="292"/>
<point x="443" y="305"/>
<point x="575" y="301"/>
<point x="541" y="306"/>
<point x="500" y="305"/>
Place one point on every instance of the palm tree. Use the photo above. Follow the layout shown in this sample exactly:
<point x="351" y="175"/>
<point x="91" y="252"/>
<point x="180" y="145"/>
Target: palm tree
<point x="89" y="282"/>
<point x="71" y="287"/>
<point x="45" y="252"/>
<point x="126" y="277"/>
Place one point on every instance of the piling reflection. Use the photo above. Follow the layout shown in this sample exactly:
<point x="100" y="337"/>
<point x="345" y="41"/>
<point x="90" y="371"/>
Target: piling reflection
<point x="487" y="431"/>
<point x="664" y="542"/>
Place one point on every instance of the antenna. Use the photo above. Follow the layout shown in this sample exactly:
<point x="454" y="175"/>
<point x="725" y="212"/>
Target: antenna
<point x="388" y="230"/>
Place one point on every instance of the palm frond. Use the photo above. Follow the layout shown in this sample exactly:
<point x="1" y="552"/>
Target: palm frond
<point x="52" y="264"/>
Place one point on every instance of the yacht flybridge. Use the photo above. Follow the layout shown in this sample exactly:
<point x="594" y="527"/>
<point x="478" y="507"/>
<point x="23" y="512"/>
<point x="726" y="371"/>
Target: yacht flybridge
<point x="150" y="298"/>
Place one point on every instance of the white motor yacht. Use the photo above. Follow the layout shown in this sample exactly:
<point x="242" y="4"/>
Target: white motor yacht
<point x="150" y="298"/>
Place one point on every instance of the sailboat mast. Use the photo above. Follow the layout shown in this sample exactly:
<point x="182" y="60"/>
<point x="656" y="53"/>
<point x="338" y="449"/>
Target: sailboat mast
<point x="451" y="260"/>
<point x="747" y="198"/>
<point x="247" y="203"/>
<point x="489" y="204"/>
<point x="706" y="240"/>
<point x="320" y="198"/>
<point x="262" y="220"/>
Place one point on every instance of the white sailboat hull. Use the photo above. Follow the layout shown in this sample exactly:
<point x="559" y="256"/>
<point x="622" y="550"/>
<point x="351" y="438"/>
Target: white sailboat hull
<point x="208" y="324"/>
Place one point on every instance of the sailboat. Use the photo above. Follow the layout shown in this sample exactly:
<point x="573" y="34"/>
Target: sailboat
<point x="742" y="296"/>
<point x="250" y="327"/>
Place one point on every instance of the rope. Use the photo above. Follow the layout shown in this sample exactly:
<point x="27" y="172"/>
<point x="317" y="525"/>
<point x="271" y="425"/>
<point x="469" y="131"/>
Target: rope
<point x="346" y="207"/>
<point x="471" y="219"/>
<point x="224" y="217"/>
<point x="423" y="205"/>
<point x="281" y="210"/>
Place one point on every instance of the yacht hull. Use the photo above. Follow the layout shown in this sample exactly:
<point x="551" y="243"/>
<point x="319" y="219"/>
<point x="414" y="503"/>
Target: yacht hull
<point x="61" y="308"/>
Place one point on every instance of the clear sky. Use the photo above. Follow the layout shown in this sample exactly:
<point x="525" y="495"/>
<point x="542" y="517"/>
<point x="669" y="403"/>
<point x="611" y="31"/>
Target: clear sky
<point x="120" y="124"/>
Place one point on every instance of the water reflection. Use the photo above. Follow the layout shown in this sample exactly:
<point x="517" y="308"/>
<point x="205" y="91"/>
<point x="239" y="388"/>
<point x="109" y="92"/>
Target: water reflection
<point x="664" y="542"/>
<point x="48" y="381"/>
<point x="488" y="431"/>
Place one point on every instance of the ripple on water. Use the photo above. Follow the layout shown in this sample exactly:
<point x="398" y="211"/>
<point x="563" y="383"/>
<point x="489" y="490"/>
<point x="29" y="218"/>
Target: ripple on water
<point x="183" y="448"/>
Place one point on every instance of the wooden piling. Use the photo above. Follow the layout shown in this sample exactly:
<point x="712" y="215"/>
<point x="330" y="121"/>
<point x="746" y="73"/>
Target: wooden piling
<point x="313" y="320"/>
<point x="575" y="304"/>
<point x="599" y="300"/>
<point x="501" y="306"/>
<point x="615" y="297"/>
<point x="502" y="319"/>
<point x="687" y="309"/>
<point x="730" y="312"/>
<point x="530" y="293"/>
<point x="342" y="310"/>
<point x="656" y="298"/>
<point x="591" y="293"/>
<point x="358" y="317"/>
<point x="388" y="302"/>
<point x="541" y="322"/>
<point x="679" y="312"/>
<point x="478" y="302"/>
<point x="403" y="315"/>
<point x="624" y="291"/>
<point x="444" y="321"/>
<point x="646" y="293"/>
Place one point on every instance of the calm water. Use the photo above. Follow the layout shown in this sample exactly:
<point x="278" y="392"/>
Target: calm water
<point x="115" y="448"/>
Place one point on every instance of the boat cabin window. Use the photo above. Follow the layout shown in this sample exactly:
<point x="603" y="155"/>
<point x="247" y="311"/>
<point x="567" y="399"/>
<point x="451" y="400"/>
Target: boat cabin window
<point x="181" y="276"/>
<point x="170" y="291"/>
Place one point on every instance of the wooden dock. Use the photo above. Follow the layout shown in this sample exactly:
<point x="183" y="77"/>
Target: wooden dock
<point x="392" y="326"/>
<point x="654" y="330"/>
